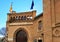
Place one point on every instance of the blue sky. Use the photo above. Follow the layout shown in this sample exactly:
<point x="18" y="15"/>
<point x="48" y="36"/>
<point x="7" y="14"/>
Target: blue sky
<point x="18" y="6"/>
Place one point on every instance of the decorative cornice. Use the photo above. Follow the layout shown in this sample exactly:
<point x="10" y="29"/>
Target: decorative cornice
<point x="23" y="23"/>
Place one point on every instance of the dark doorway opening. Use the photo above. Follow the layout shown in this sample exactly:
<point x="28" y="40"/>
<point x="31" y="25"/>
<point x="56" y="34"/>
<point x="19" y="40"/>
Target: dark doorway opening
<point x="21" y="36"/>
<point x="39" y="40"/>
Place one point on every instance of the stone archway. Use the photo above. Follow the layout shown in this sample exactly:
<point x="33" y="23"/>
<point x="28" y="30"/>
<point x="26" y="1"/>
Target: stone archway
<point x="20" y="35"/>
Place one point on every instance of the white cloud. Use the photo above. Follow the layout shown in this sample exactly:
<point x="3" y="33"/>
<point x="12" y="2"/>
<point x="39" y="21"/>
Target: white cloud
<point x="1" y="36"/>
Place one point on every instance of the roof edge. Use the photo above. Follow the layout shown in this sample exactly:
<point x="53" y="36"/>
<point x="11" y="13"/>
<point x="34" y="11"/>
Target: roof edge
<point x="38" y="16"/>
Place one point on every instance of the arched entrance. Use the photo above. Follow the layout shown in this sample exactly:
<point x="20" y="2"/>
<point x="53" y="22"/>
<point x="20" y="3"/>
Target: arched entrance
<point x="21" y="36"/>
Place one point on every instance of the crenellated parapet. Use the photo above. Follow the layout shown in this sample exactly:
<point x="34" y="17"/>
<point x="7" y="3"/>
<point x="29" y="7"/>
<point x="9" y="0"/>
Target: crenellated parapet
<point x="21" y="17"/>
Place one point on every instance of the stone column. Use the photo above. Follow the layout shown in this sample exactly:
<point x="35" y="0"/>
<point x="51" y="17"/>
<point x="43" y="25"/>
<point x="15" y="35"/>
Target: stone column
<point x="47" y="20"/>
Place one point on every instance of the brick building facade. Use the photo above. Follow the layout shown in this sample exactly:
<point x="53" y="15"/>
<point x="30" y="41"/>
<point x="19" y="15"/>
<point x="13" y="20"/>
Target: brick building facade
<point x="27" y="27"/>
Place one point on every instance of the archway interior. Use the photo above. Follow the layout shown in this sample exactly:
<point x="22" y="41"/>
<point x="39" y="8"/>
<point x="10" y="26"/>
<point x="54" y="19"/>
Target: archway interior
<point x="21" y="36"/>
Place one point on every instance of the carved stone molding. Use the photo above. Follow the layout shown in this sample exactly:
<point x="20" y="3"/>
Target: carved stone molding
<point x="56" y="32"/>
<point x="57" y="24"/>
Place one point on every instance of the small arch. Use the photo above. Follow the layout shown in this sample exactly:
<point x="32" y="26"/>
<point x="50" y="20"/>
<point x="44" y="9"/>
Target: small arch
<point x="28" y="17"/>
<point x="10" y="18"/>
<point x="16" y="17"/>
<point x="24" y="17"/>
<point x="13" y="18"/>
<point x="21" y="17"/>
<point x="40" y="25"/>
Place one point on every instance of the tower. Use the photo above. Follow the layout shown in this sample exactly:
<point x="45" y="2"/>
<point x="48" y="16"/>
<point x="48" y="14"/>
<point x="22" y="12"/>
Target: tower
<point x="51" y="20"/>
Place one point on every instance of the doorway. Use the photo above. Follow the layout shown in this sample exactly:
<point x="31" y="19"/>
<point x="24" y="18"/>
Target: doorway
<point x="21" y="36"/>
<point x="39" y="40"/>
